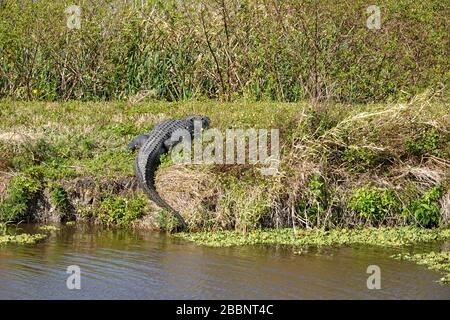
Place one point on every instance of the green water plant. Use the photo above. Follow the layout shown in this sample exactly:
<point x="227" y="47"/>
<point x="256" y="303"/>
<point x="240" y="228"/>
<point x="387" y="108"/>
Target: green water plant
<point x="439" y="261"/>
<point x="23" y="238"/>
<point x="383" y="236"/>
<point x="48" y="228"/>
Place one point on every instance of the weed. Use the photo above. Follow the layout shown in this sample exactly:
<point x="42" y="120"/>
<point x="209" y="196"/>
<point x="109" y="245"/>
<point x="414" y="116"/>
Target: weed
<point x="125" y="53"/>
<point x="22" y="191"/>
<point x="60" y="200"/>
<point x="48" y="228"/>
<point x="117" y="210"/>
<point x="439" y="261"/>
<point x="359" y="159"/>
<point x="166" y="220"/>
<point x="315" y="202"/>
<point x="427" y="141"/>
<point x="243" y="206"/>
<point x="383" y="236"/>
<point x="425" y="211"/>
<point x="23" y="238"/>
<point x="373" y="204"/>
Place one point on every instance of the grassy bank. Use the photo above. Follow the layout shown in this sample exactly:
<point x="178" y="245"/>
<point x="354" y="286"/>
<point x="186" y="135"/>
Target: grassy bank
<point x="175" y="50"/>
<point x="341" y="166"/>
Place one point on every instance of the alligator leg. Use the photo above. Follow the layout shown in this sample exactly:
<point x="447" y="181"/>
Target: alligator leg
<point x="137" y="142"/>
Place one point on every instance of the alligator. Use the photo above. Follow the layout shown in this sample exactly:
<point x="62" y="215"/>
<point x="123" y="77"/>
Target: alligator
<point x="151" y="147"/>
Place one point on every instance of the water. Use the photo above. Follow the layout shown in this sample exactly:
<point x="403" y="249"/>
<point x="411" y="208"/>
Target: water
<point x="118" y="264"/>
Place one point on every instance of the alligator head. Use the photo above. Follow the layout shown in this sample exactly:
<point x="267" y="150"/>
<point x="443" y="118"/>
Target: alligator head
<point x="196" y="118"/>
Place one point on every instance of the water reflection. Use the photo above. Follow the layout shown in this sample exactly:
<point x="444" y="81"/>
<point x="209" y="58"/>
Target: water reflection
<point x="118" y="264"/>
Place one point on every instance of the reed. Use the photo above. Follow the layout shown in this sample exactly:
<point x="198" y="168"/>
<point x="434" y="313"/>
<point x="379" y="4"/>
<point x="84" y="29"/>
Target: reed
<point x="290" y="50"/>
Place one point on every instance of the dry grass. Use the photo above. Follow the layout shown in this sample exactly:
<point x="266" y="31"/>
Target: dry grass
<point x="187" y="188"/>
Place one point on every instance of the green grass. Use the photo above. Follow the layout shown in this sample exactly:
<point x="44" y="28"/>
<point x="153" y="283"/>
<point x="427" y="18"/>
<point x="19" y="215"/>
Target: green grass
<point x="88" y="139"/>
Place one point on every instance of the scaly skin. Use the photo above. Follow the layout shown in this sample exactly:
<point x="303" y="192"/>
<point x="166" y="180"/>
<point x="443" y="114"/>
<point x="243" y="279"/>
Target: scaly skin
<point x="152" y="147"/>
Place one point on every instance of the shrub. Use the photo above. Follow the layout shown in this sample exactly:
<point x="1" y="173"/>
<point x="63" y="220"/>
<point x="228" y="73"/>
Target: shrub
<point x="60" y="200"/>
<point x="426" y="141"/>
<point x="243" y="206"/>
<point x="373" y="204"/>
<point x="117" y="210"/>
<point x="314" y="203"/>
<point x="166" y="220"/>
<point x="426" y="210"/>
<point x="22" y="191"/>
<point x="3" y="228"/>
<point x="359" y="159"/>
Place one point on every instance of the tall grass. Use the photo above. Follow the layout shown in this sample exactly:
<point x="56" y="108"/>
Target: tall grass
<point x="287" y="50"/>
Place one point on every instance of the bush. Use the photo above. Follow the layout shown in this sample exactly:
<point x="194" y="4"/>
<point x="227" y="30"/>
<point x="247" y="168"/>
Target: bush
<point x="166" y="220"/>
<point x="243" y="206"/>
<point x="117" y="210"/>
<point x="22" y="192"/>
<point x="373" y="204"/>
<point x="60" y="200"/>
<point x="315" y="201"/>
<point x="426" y="210"/>
<point x="427" y="141"/>
<point x="360" y="159"/>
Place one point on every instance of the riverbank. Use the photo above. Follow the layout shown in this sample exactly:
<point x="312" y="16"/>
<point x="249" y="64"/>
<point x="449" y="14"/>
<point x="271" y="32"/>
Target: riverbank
<point x="341" y="166"/>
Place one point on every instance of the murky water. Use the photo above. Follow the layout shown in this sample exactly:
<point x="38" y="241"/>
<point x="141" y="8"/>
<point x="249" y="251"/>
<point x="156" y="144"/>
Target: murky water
<point x="117" y="264"/>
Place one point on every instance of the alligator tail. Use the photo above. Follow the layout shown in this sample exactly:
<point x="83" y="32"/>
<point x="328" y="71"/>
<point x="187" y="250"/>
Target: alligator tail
<point x="150" y="190"/>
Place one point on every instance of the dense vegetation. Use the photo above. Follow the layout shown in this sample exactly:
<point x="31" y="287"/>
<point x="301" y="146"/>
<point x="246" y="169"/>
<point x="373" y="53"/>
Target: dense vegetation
<point x="288" y="50"/>
<point x="341" y="166"/>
